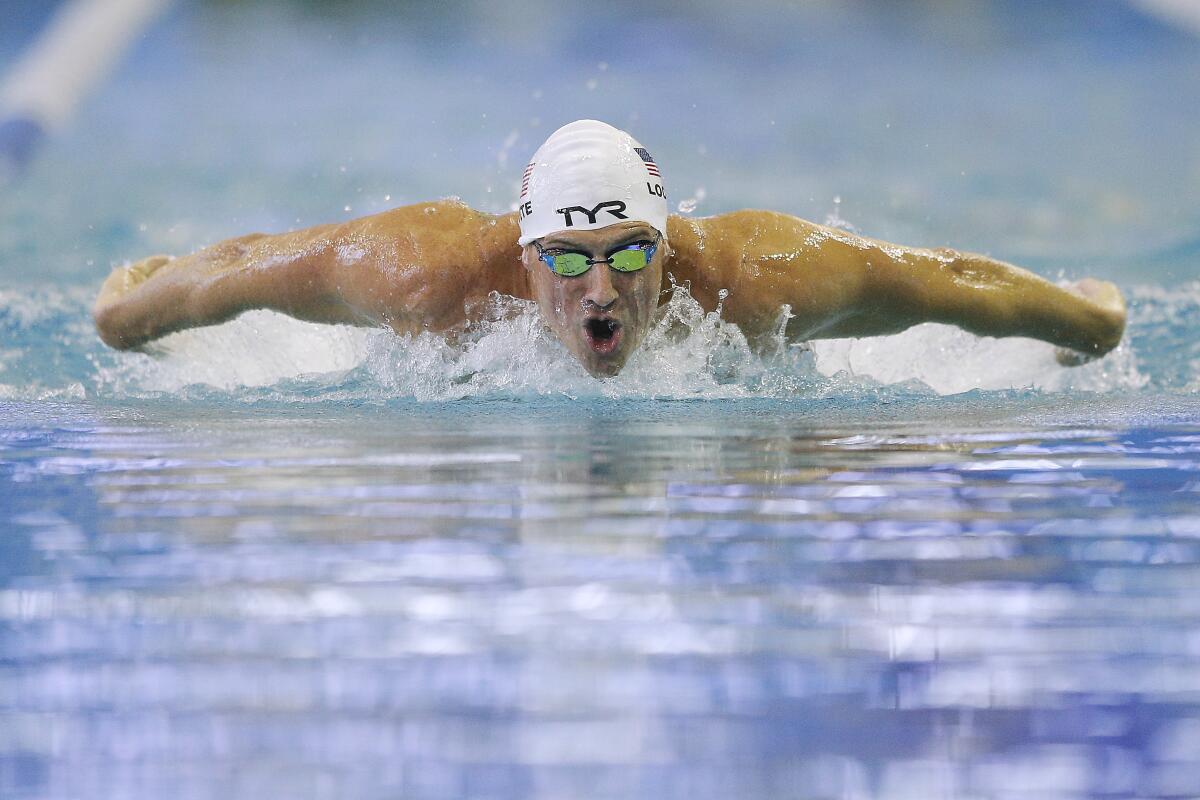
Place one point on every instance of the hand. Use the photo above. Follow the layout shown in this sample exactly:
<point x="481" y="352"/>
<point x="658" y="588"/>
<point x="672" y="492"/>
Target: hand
<point x="123" y="280"/>
<point x="1106" y="296"/>
<point x="120" y="282"/>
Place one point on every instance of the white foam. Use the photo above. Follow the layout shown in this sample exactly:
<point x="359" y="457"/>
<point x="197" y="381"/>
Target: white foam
<point x="260" y="348"/>
<point x="950" y="361"/>
<point x="689" y="353"/>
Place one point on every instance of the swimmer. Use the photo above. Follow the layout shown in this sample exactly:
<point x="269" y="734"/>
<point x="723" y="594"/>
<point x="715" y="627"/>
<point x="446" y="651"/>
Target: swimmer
<point x="592" y="243"/>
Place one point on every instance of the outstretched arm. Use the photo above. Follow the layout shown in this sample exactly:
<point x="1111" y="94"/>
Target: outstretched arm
<point x="160" y="295"/>
<point x="412" y="268"/>
<point x="839" y="284"/>
<point x="992" y="298"/>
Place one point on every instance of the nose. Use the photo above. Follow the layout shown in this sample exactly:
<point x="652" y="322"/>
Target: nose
<point x="600" y="291"/>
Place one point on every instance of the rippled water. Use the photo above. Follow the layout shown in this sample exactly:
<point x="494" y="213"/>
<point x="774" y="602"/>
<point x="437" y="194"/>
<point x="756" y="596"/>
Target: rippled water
<point x="272" y="559"/>
<point x="629" y="598"/>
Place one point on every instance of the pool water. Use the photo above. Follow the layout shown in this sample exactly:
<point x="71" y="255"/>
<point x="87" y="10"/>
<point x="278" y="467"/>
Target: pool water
<point x="633" y="598"/>
<point x="272" y="559"/>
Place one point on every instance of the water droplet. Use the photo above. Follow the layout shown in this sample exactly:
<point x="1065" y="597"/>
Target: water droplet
<point x="689" y="205"/>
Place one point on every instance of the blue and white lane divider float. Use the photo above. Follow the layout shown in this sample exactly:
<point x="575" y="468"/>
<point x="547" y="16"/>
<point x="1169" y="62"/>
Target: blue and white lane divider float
<point x="80" y="46"/>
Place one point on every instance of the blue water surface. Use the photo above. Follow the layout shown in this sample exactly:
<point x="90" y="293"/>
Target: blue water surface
<point x="273" y="559"/>
<point x="509" y="599"/>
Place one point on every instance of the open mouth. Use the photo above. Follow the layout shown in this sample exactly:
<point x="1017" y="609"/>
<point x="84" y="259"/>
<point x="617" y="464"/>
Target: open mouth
<point x="603" y="334"/>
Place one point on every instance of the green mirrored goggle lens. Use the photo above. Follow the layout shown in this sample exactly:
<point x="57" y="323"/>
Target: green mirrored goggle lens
<point x="570" y="264"/>
<point x="629" y="260"/>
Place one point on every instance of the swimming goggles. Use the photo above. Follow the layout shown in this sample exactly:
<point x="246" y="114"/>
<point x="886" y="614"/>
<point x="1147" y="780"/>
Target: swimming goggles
<point x="629" y="258"/>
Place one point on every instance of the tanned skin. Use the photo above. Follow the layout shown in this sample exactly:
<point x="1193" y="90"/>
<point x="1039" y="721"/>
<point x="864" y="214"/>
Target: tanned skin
<point x="432" y="266"/>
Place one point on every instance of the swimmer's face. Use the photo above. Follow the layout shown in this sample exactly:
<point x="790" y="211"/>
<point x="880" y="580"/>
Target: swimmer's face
<point x="602" y="315"/>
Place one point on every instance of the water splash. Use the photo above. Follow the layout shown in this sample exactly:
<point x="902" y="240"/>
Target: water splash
<point x="834" y="218"/>
<point x="50" y="350"/>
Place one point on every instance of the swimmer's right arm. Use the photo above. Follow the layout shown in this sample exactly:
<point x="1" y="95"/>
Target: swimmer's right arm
<point x="159" y="295"/>
<point x="411" y="269"/>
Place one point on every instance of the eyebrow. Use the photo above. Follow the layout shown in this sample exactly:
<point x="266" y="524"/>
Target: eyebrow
<point x="636" y="235"/>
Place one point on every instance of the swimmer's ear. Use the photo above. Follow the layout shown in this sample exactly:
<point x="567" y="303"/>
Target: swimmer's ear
<point x="667" y="250"/>
<point x="528" y="256"/>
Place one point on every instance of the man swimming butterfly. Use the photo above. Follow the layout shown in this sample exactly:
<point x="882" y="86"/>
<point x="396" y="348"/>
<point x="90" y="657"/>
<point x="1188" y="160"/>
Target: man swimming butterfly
<point x="598" y="250"/>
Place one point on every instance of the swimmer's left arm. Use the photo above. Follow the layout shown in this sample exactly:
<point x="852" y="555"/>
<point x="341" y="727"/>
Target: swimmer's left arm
<point x="905" y="286"/>
<point x="837" y="284"/>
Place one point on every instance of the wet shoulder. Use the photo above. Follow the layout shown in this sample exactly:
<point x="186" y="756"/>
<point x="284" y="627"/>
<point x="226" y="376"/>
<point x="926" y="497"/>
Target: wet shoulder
<point x="427" y="262"/>
<point x="719" y="252"/>
<point x="442" y="235"/>
<point x="449" y="218"/>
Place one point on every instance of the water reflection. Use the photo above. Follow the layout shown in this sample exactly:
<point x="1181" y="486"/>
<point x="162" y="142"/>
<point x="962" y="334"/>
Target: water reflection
<point x="655" y="601"/>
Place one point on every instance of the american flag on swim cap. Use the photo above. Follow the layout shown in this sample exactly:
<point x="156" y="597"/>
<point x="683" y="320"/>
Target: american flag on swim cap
<point x="651" y="167"/>
<point x="525" y="179"/>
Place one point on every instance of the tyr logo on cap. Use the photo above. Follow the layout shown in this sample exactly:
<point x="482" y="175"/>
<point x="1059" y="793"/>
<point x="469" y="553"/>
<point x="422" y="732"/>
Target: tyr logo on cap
<point x="614" y="207"/>
<point x="587" y="175"/>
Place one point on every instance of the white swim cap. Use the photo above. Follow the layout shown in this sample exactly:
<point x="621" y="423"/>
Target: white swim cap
<point x="589" y="175"/>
